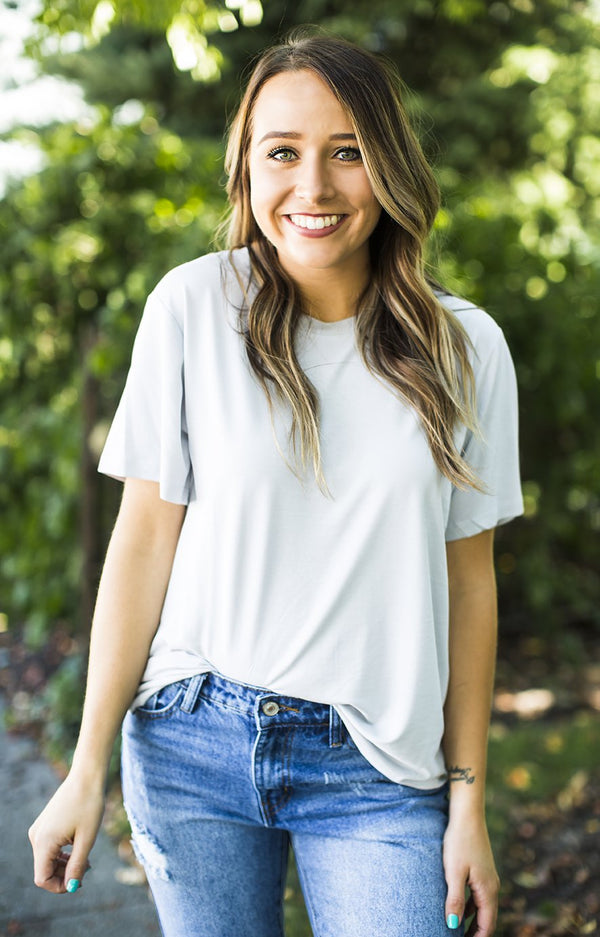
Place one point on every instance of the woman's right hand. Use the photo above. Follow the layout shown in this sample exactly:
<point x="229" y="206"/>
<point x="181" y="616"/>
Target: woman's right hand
<point x="71" y="818"/>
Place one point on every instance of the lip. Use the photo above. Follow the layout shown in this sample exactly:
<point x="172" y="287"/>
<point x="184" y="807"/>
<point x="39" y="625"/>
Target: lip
<point x="317" y="232"/>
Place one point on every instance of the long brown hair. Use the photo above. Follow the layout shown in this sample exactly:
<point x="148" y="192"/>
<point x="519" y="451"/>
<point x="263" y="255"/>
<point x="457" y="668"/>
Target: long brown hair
<point x="404" y="334"/>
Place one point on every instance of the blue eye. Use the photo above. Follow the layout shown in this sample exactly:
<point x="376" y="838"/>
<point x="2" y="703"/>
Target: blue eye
<point x="282" y="154"/>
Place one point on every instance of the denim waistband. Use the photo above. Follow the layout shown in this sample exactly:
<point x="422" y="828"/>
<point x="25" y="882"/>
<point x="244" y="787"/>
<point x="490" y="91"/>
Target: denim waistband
<point x="270" y="709"/>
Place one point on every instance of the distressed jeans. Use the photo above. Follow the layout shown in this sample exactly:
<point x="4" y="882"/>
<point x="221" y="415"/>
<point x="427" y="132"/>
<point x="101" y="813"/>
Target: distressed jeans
<point x="220" y="778"/>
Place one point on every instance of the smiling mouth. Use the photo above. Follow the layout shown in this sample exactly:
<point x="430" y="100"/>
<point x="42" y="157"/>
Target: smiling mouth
<point x="315" y="222"/>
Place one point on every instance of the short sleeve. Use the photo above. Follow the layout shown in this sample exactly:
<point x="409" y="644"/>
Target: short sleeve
<point x="148" y="438"/>
<point x="493" y="453"/>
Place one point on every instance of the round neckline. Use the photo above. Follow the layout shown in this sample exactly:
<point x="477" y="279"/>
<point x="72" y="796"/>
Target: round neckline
<point x="321" y="325"/>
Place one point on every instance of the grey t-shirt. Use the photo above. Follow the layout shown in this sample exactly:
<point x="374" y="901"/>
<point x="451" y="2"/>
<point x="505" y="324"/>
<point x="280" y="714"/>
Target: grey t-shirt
<point x="343" y="600"/>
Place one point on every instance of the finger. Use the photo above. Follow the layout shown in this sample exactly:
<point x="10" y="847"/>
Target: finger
<point x="455" y="900"/>
<point x="470" y="907"/>
<point x="77" y="864"/>
<point x="47" y="871"/>
<point x="64" y="857"/>
<point x="484" y="922"/>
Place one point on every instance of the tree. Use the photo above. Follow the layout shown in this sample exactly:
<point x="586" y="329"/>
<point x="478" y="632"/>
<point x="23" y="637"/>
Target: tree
<point x="504" y="96"/>
<point x="115" y="206"/>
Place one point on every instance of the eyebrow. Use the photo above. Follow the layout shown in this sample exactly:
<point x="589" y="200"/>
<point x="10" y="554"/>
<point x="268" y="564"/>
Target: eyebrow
<point x="290" y="135"/>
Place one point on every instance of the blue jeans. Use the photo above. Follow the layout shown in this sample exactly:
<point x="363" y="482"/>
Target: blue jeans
<point x="219" y="778"/>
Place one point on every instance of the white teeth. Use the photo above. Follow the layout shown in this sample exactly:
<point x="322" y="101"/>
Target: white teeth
<point x="315" y="223"/>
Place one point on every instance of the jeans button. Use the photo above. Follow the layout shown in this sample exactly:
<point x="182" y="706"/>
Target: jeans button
<point x="270" y="708"/>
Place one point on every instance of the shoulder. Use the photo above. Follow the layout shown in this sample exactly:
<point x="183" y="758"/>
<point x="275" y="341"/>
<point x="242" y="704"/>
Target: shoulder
<point x="478" y="324"/>
<point x="484" y="333"/>
<point x="215" y="275"/>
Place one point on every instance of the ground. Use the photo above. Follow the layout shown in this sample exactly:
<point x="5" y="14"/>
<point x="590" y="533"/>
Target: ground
<point x="545" y="774"/>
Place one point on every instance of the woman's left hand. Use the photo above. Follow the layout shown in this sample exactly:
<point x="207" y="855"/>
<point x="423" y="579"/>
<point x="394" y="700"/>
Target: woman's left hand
<point x="468" y="860"/>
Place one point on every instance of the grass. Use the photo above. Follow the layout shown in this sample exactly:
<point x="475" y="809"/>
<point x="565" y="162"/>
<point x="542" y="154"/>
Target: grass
<point x="537" y="762"/>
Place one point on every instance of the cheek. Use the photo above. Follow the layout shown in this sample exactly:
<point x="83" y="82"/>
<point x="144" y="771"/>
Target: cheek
<point x="372" y="211"/>
<point x="255" y="204"/>
<point x="254" y="189"/>
<point x="365" y="196"/>
<point x="375" y="215"/>
<point x="262" y="196"/>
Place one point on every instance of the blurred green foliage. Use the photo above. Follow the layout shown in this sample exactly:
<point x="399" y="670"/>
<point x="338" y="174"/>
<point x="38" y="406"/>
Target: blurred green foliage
<point x="534" y="761"/>
<point x="114" y="208"/>
<point x="505" y="94"/>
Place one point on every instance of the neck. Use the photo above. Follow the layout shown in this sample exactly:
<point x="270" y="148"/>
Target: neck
<point x="332" y="294"/>
<point x="330" y="301"/>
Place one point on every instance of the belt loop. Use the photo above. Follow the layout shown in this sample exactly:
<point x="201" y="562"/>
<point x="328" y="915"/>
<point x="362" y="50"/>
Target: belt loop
<point x="336" y="728"/>
<point x="193" y="691"/>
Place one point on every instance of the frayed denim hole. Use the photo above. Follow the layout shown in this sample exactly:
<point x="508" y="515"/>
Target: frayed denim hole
<point x="148" y="852"/>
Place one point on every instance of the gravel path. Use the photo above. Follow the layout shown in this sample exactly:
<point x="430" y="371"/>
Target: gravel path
<point x="103" y="908"/>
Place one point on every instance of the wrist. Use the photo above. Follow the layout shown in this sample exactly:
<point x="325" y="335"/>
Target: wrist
<point x="466" y="811"/>
<point x="467" y="801"/>
<point x="90" y="767"/>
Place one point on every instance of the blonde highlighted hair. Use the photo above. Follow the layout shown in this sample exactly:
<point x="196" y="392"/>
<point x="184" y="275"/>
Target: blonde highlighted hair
<point x="404" y="334"/>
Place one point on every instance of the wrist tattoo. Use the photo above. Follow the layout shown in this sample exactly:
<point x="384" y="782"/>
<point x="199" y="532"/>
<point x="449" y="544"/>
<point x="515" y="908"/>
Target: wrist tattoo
<point x="460" y="774"/>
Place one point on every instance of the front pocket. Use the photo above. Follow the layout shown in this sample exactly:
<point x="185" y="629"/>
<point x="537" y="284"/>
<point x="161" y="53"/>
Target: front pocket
<point x="163" y="702"/>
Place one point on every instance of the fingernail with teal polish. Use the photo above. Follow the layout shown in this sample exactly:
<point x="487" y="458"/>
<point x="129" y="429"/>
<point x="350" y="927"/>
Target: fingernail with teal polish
<point x="452" y="921"/>
<point x="73" y="884"/>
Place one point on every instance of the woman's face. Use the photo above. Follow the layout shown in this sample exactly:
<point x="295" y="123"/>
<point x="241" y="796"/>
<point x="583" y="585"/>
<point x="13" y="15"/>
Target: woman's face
<point x="310" y="193"/>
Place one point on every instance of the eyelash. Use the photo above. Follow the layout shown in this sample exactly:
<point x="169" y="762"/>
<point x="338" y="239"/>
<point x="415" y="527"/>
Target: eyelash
<point x="272" y="154"/>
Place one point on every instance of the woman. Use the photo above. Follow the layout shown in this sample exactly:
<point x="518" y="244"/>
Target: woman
<point x="298" y="601"/>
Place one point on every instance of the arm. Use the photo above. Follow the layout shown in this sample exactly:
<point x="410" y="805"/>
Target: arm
<point x="130" y="598"/>
<point x="468" y="857"/>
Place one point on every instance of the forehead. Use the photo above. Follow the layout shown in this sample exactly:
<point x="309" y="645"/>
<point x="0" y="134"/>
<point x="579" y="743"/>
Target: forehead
<point x="298" y="102"/>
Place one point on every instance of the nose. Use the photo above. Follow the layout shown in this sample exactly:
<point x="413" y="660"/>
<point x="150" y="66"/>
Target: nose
<point x="314" y="183"/>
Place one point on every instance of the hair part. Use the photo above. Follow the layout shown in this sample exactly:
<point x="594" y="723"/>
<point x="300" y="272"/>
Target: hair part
<point x="404" y="334"/>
